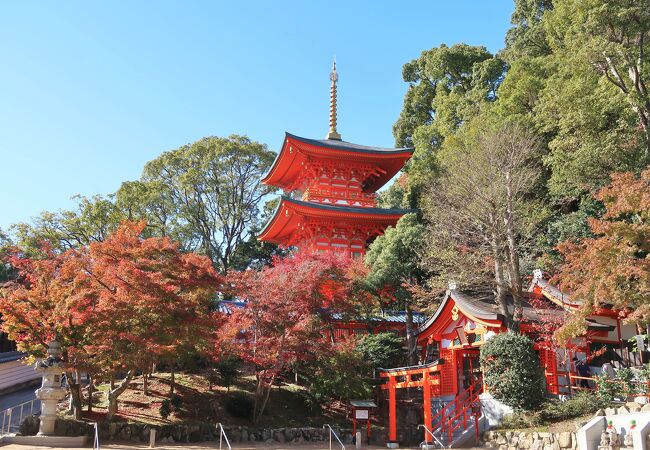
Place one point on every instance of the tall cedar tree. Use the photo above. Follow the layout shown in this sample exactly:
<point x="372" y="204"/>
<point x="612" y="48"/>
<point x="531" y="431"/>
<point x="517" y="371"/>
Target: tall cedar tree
<point x="116" y="306"/>
<point x="282" y="323"/>
<point x="613" y="267"/>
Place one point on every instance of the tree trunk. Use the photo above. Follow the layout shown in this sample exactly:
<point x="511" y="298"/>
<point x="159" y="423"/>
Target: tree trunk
<point x="411" y="343"/>
<point x="513" y="254"/>
<point x="172" y="381"/>
<point x="496" y="245"/>
<point x="265" y="401"/>
<point x="145" y="384"/>
<point x="74" y="385"/>
<point x="113" y="395"/>
<point x="90" y="394"/>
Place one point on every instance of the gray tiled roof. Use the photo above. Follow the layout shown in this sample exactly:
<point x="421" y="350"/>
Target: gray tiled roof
<point x="383" y="316"/>
<point x="348" y="146"/>
<point x="228" y="306"/>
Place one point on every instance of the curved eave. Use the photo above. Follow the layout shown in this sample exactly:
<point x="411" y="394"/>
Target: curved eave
<point x="486" y="318"/>
<point x="553" y="294"/>
<point x="295" y="150"/>
<point x="290" y="212"/>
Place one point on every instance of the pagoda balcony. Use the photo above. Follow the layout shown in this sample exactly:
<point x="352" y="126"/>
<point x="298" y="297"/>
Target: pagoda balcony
<point x="340" y="196"/>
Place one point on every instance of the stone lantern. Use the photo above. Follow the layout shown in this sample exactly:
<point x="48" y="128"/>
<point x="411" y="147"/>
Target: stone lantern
<point x="50" y="392"/>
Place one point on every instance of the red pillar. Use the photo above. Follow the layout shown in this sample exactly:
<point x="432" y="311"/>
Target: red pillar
<point x="392" y="410"/>
<point x="426" y="379"/>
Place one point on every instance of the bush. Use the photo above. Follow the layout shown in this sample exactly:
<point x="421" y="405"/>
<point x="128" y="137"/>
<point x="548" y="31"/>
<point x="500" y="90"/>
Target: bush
<point x="382" y="350"/>
<point x="512" y="372"/>
<point x="553" y="411"/>
<point x="618" y="388"/>
<point x="165" y="409"/>
<point x="343" y="374"/>
<point x="227" y="369"/>
<point x="240" y="405"/>
<point x="176" y="402"/>
<point x="580" y="405"/>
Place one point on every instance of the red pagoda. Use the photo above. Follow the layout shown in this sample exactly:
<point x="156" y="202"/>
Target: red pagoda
<point x="331" y="184"/>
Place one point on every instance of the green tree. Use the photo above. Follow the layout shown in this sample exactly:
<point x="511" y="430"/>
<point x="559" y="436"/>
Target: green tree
<point x="94" y="219"/>
<point x="447" y="86"/>
<point x="382" y="350"/>
<point x="613" y="38"/>
<point x="207" y="194"/>
<point x="512" y="372"/>
<point x="527" y="37"/>
<point x="393" y="259"/>
<point x="341" y="374"/>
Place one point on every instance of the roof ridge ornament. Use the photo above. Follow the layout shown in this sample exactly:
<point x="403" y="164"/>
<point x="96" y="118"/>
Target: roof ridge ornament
<point x="334" y="78"/>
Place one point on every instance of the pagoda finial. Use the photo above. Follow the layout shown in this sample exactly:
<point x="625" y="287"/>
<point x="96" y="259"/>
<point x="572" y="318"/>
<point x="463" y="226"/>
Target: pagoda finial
<point x="334" y="78"/>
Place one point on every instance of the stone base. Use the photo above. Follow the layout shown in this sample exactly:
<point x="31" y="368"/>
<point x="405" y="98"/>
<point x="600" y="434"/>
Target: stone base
<point x="47" y="441"/>
<point x="392" y="444"/>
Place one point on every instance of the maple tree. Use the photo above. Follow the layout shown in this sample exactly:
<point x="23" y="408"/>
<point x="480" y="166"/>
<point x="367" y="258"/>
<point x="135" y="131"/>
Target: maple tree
<point x="283" y="321"/>
<point x="613" y="267"/>
<point x="116" y="306"/>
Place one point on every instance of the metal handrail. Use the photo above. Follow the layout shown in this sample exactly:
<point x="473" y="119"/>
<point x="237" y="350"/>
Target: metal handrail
<point x="96" y="439"/>
<point x="222" y="435"/>
<point x="432" y="435"/>
<point x="7" y="415"/>
<point x="332" y="432"/>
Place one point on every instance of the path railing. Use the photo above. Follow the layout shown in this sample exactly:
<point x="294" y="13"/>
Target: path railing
<point x="13" y="417"/>
<point x="96" y="438"/>
<point x="438" y="441"/>
<point x="222" y="436"/>
<point x="332" y="432"/>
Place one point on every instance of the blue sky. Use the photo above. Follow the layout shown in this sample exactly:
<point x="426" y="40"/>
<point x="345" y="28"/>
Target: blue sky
<point x="91" y="91"/>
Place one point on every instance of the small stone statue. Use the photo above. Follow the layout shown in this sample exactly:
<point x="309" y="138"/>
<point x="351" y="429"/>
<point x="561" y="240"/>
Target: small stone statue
<point x="627" y="440"/>
<point x="613" y="436"/>
<point x="604" y="441"/>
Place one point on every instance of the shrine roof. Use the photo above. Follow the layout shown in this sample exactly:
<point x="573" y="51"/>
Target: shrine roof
<point x="479" y="303"/>
<point x="382" y="316"/>
<point x="297" y="150"/>
<point x="290" y="212"/>
<point x="553" y="293"/>
<point x="228" y="306"/>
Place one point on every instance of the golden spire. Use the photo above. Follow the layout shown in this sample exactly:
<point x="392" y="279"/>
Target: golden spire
<point x="334" y="78"/>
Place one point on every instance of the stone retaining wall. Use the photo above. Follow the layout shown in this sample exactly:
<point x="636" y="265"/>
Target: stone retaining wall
<point x="193" y="432"/>
<point x="530" y="440"/>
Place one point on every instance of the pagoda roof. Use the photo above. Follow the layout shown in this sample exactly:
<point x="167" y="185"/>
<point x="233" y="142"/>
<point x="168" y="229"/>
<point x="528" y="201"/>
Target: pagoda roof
<point x="290" y="212"/>
<point x="297" y="150"/>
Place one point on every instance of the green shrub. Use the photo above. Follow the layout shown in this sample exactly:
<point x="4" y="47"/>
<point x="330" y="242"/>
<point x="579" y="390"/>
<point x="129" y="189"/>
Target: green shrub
<point x="227" y="369"/>
<point x="643" y="379"/>
<point x="176" y="402"/>
<point x="165" y="409"/>
<point x="382" y="350"/>
<point x="553" y="411"/>
<point x="512" y="371"/>
<point x="240" y="405"/>
<point x="343" y="374"/>
<point x="618" y="388"/>
<point x="580" y="405"/>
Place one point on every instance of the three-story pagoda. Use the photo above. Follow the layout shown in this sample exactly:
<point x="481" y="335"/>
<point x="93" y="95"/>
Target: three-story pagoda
<point x="332" y="187"/>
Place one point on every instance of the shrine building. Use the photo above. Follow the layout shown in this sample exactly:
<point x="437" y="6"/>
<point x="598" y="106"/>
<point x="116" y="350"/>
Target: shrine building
<point x="449" y="378"/>
<point x="330" y="185"/>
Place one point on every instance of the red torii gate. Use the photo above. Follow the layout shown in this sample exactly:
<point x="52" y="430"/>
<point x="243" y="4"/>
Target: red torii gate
<point x="426" y="376"/>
